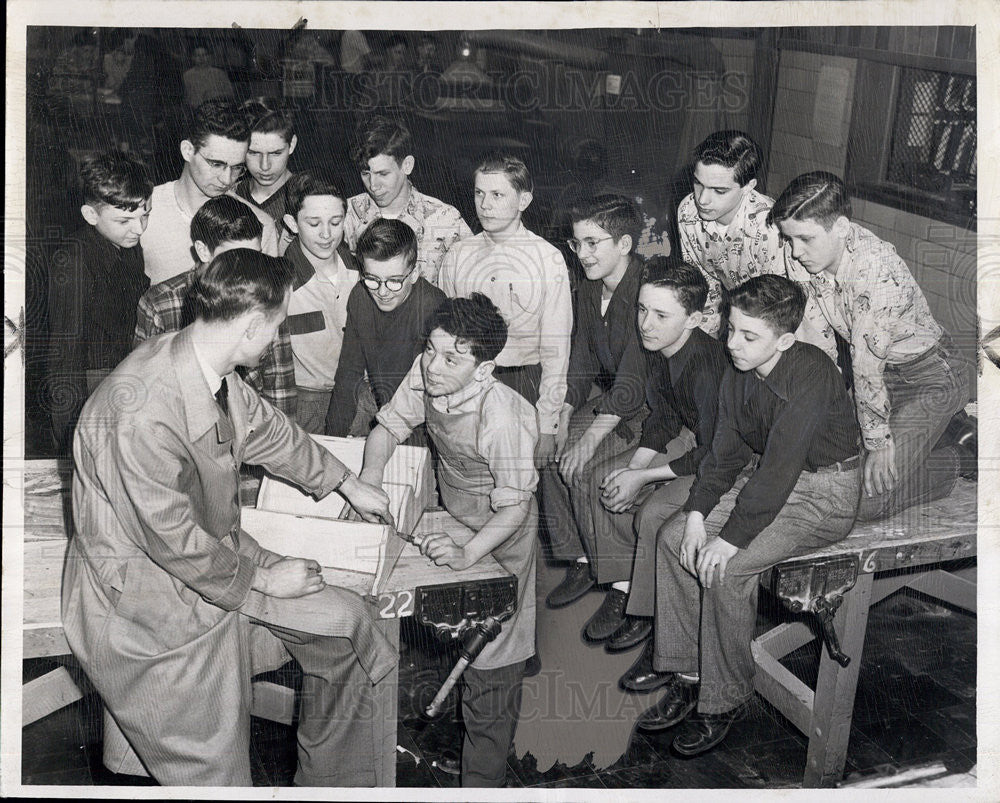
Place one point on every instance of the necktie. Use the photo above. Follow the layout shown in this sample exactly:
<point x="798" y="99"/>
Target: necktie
<point x="222" y="397"/>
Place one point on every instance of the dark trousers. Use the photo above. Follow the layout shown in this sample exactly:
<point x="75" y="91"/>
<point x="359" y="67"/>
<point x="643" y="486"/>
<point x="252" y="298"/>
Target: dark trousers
<point x="708" y="630"/>
<point x="923" y="395"/>
<point x="525" y="379"/>
<point x="491" y="705"/>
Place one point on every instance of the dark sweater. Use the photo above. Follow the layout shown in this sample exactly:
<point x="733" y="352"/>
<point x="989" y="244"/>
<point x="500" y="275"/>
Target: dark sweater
<point x="382" y="343"/>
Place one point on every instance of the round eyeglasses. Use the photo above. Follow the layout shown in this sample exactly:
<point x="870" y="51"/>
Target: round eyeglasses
<point x="393" y="284"/>
<point x="590" y="243"/>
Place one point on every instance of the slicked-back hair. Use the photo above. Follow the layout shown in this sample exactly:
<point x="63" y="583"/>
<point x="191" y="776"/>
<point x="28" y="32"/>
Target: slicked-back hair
<point x="310" y="182"/>
<point x="224" y="219"/>
<point x="777" y="300"/>
<point x="386" y="238"/>
<point x="220" y="118"/>
<point x="818" y="195"/>
<point x="114" y="179"/>
<point x="474" y="322"/>
<point x="238" y="281"/>
<point x="513" y="168"/>
<point x="687" y="281"/>
<point x="616" y="214"/>
<point x="378" y="136"/>
<point x="732" y="149"/>
<point x="266" y="116"/>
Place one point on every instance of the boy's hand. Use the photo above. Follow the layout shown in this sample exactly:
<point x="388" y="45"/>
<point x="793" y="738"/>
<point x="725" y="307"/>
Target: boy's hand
<point x="694" y="537"/>
<point x="545" y="450"/>
<point x="714" y="552"/>
<point x="441" y="549"/>
<point x="620" y="488"/>
<point x="573" y="459"/>
<point x="289" y="577"/>
<point x="880" y="470"/>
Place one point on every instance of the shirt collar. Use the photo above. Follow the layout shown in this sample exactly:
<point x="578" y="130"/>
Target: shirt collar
<point x="780" y="378"/>
<point x="680" y="360"/>
<point x="194" y="379"/>
<point x="212" y="379"/>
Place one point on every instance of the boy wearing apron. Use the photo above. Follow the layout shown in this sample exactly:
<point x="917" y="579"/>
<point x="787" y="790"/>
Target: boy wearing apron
<point x="485" y="435"/>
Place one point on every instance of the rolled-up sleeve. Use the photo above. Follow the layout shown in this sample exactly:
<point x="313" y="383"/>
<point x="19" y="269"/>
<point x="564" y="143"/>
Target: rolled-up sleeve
<point x="507" y="442"/>
<point x="404" y="412"/>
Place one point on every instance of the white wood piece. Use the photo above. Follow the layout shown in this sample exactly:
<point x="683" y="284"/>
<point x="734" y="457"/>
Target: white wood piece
<point x="356" y="546"/>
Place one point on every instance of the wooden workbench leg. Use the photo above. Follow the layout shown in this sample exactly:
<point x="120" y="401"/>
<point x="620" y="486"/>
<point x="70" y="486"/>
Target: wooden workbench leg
<point x="833" y="704"/>
<point x="387" y="702"/>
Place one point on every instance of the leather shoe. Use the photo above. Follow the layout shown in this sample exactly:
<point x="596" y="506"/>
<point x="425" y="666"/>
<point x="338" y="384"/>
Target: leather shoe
<point x="641" y="677"/>
<point x="676" y="703"/>
<point x="702" y="732"/>
<point x="576" y="583"/>
<point x="631" y="634"/>
<point x="609" y="617"/>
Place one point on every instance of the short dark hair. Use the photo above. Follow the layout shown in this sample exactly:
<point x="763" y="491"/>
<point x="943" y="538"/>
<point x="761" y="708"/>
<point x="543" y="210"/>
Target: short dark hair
<point x="224" y="219"/>
<point x="238" y="281"/>
<point x="687" y="281"/>
<point x="266" y="116"/>
<point x="474" y="321"/>
<point x="818" y="195"/>
<point x="775" y="299"/>
<point x="732" y="149"/>
<point x="616" y="214"/>
<point x="220" y="118"/>
<point x="379" y="136"/>
<point x="508" y="164"/>
<point x="114" y="179"/>
<point x="386" y="238"/>
<point x="310" y="182"/>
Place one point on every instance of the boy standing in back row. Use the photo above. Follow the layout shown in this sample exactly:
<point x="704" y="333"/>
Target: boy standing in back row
<point x="908" y="381"/>
<point x="526" y="278"/>
<point x="384" y="155"/>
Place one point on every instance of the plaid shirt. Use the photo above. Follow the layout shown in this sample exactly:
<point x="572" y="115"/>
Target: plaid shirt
<point x="162" y="309"/>
<point x="876" y="305"/>
<point x="437" y="225"/>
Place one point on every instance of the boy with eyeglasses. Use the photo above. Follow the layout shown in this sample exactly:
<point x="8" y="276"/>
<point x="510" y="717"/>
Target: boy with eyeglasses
<point x="214" y="154"/>
<point x="387" y="315"/>
<point x="384" y="154"/>
<point x="325" y="274"/>
<point x="724" y="230"/>
<point x="526" y="277"/>
<point x="605" y="395"/>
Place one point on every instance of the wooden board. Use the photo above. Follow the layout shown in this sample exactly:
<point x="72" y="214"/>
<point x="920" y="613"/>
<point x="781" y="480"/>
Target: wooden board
<point x="356" y="546"/>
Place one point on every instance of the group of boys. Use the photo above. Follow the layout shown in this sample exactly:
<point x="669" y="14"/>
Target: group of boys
<point x="669" y="465"/>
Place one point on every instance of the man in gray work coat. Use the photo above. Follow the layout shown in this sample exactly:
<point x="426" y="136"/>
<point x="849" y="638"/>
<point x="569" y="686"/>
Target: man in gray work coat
<point x="163" y="593"/>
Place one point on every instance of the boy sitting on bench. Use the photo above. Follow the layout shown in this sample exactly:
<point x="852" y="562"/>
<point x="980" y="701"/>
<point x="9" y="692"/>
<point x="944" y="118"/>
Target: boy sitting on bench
<point x="781" y="479"/>
<point x="908" y="380"/>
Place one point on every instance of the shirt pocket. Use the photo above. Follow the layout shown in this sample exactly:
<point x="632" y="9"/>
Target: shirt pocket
<point x="305" y="323"/>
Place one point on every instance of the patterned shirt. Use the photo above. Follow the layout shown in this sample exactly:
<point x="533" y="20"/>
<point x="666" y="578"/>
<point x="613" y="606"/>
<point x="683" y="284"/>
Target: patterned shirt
<point x="875" y="304"/>
<point x="162" y="309"/>
<point x="437" y="225"/>
<point x="729" y="255"/>
<point x="527" y="279"/>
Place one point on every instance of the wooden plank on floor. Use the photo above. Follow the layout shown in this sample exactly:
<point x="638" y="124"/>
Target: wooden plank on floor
<point x="273" y="701"/>
<point x="47" y="694"/>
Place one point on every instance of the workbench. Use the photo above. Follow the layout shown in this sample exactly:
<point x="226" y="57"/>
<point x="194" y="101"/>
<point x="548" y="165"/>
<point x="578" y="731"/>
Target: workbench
<point x="47" y="521"/>
<point x="926" y="548"/>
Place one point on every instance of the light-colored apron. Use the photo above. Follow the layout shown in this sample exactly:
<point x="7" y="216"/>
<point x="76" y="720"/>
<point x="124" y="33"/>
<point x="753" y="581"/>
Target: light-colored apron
<point x="465" y="483"/>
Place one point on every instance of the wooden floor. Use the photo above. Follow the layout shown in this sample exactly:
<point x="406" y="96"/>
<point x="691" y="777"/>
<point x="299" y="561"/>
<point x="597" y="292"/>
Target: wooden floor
<point x="916" y="702"/>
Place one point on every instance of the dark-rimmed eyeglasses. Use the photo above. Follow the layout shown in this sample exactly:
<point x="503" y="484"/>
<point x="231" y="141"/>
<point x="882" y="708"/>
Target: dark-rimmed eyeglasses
<point x="590" y="243"/>
<point x="393" y="284"/>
